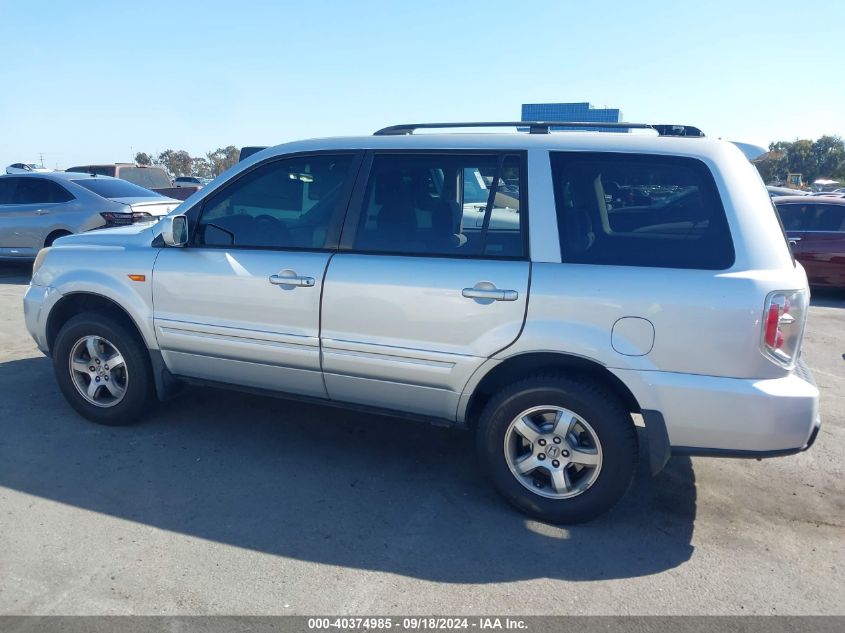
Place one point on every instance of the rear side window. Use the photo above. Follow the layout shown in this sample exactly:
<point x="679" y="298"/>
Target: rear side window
<point x="115" y="188"/>
<point x="812" y="217"/>
<point x="452" y="205"/>
<point x="796" y="217"/>
<point x="830" y="217"/>
<point x="639" y="210"/>
<point x="39" y="191"/>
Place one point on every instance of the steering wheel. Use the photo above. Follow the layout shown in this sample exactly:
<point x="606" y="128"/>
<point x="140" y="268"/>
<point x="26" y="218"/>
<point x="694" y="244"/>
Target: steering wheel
<point x="274" y="227"/>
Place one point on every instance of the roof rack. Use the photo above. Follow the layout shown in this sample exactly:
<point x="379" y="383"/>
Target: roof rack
<point x="544" y="127"/>
<point x="668" y="129"/>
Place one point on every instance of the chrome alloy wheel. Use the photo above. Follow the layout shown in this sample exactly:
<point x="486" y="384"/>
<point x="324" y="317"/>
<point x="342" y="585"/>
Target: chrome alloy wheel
<point x="98" y="371"/>
<point x="553" y="452"/>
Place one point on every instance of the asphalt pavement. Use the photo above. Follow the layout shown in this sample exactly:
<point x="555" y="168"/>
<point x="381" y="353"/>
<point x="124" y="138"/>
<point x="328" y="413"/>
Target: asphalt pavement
<point x="225" y="503"/>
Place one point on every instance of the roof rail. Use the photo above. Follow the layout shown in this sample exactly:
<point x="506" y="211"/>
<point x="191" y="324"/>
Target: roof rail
<point x="543" y="127"/>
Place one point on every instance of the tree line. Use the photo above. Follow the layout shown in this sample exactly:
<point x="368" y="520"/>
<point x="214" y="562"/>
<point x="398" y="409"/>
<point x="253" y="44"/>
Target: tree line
<point x="181" y="163"/>
<point x="822" y="158"/>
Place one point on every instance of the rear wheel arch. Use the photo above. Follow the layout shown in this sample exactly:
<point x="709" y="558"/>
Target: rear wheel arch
<point x="517" y="367"/>
<point x="54" y="235"/>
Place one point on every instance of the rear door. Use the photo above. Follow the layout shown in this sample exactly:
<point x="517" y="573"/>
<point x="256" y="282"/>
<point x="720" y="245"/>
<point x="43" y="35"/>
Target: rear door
<point x="9" y="241"/>
<point x="241" y="303"/>
<point x="26" y="221"/>
<point x="421" y="292"/>
<point x="822" y="249"/>
<point x="816" y="233"/>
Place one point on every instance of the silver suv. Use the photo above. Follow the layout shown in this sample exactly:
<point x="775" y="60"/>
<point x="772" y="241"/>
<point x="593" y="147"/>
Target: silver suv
<point x="549" y="292"/>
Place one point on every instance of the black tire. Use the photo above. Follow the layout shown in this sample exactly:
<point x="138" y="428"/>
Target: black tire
<point x="140" y="389"/>
<point x="604" y="412"/>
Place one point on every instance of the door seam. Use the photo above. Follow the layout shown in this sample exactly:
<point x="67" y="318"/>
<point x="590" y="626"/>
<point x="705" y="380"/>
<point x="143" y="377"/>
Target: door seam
<point x="320" y="324"/>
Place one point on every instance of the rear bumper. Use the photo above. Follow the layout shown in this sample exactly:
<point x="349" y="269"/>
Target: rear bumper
<point x="729" y="417"/>
<point x="743" y="454"/>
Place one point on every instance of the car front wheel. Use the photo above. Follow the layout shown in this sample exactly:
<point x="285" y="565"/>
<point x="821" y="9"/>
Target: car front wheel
<point x="103" y="369"/>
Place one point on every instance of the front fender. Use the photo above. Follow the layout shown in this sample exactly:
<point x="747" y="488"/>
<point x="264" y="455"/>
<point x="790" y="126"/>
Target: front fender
<point x="104" y="271"/>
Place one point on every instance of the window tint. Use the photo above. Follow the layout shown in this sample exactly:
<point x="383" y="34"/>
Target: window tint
<point x="39" y="191"/>
<point x="283" y="204"/>
<point x="115" y="188"/>
<point x="442" y="205"/>
<point x="830" y="217"/>
<point x="795" y="217"/>
<point x="7" y="189"/>
<point x="812" y="217"/>
<point x="639" y="210"/>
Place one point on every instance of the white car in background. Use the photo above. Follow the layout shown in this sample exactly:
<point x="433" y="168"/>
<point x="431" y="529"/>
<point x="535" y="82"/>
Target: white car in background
<point x="38" y="208"/>
<point x="190" y="181"/>
<point x="25" y="168"/>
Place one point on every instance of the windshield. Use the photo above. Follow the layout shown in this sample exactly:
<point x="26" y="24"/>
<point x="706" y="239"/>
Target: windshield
<point x="115" y="188"/>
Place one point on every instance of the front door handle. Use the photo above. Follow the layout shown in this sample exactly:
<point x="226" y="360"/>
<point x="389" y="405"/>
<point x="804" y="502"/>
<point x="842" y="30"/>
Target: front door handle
<point x="41" y="212"/>
<point x="490" y="294"/>
<point x="290" y="278"/>
<point x="793" y="240"/>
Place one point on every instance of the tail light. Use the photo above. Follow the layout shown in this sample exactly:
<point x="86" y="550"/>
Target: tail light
<point x="124" y="219"/>
<point x="783" y="325"/>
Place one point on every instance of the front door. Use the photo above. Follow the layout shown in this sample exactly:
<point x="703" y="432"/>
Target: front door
<point x="421" y="292"/>
<point x="241" y="303"/>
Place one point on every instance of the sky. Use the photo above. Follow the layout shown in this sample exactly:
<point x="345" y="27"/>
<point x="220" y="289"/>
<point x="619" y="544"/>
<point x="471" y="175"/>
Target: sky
<point x="93" y="81"/>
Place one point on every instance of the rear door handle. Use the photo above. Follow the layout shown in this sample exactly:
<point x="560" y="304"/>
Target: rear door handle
<point x="490" y="293"/>
<point x="290" y="278"/>
<point x="793" y="240"/>
<point x="41" y="212"/>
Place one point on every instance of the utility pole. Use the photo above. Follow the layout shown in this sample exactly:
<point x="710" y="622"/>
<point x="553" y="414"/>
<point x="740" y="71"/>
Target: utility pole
<point x="41" y="154"/>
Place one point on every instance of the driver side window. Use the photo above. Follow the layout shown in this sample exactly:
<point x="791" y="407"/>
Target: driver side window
<point x="288" y="203"/>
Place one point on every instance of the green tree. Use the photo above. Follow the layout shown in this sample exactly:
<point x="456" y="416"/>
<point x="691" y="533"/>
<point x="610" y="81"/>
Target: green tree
<point x="829" y="154"/>
<point x="142" y="158"/>
<point x="176" y="162"/>
<point x="200" y="167"/>
<point x="222" y="158"/>
<point x="823" y="158"/>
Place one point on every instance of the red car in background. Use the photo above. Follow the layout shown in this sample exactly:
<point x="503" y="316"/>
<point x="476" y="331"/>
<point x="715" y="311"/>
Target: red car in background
<point x="815" y="226"/>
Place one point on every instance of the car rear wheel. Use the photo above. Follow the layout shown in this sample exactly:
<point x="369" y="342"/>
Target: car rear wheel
<point x="103" y="369"/>
<point x="559" y="449"/>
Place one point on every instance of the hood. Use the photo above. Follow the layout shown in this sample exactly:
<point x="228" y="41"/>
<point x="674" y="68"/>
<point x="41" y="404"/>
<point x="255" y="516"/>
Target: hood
<point x="117" y="237"/>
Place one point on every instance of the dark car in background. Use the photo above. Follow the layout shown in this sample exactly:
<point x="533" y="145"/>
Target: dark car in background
<point x="150" y="177"/>
<point x="815" y="226"/>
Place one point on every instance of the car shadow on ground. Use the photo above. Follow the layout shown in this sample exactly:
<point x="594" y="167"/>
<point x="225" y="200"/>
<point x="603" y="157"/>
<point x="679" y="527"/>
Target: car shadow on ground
<point x="324" y="485"/>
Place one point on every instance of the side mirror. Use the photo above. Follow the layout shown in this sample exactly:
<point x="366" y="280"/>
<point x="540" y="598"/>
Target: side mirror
<point x="174" y="230"/>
